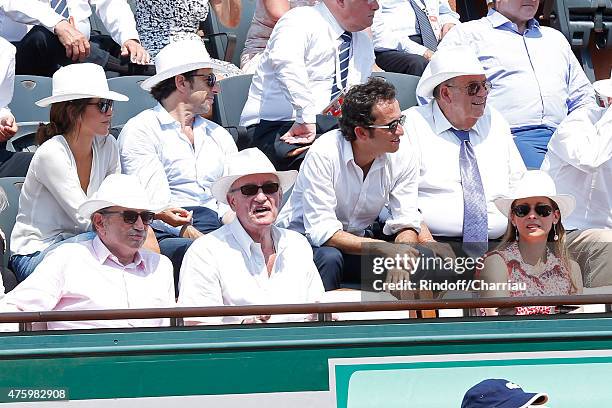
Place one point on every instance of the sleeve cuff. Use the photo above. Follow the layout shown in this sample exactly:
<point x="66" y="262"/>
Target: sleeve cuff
<point x="162" y="226"/>
<point x="319" y="236"/>
<point x="394" y="226"/>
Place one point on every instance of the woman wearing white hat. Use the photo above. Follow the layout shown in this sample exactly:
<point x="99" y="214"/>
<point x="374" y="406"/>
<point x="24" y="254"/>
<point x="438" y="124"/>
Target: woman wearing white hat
<point x="74" y="157"/>
<point x="532" y="259"/>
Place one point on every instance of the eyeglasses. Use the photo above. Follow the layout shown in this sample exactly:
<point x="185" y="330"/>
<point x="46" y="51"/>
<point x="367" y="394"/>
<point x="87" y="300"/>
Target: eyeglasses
<point x="473" y="88"/>
<point x="252" y="189"/>
<point x="391" y="126"/>
<point x="104" y="105"/>
<point x="211" y="79"/>
<point x="522" y="210"/>
<point x="130" y="217"/>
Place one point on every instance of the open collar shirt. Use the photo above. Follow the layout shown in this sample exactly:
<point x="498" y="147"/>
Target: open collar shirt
<point x="579" y="159"/>
<point x="536" y="78"/>
<point x="440" y="190"/>
<point x="331" y="193"/>
<point x="226" y="267"/>
<point x="87" y="276"/>
<point x="172" y="170"/>
<point x="296" y="73"/>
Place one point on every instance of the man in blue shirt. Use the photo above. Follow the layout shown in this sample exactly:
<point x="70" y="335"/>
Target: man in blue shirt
<point x="537" y="80"/>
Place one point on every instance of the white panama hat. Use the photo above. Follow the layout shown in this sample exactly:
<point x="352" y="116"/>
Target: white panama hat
<point x="118" y="190"/>
<point x="246" y="162"/>
<point x="180" y="57"/>
<point x="536" y="183"/>
<point x="80" y="81"/>
<point x="448" y="63"/>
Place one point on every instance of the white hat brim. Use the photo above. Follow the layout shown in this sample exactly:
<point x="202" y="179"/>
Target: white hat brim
<point x="115" y="96"/>
<point x="565" y="202"/>
<point x="221" y="187"/>
<point x="149" y="83"/>
<point x="89" y="207"/>
<point x="426" y="87"/>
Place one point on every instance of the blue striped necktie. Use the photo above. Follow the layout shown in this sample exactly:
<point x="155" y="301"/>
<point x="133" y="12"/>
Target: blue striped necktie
<point x="60" y="7"/>
<point x="475" y="220"/>
<point x="344" y="53"/>
<point x="427" y="34"/>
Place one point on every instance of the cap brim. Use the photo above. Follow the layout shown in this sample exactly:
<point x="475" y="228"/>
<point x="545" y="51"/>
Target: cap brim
<point x="221" y="187"/>
<point x="149" y="83"/>
<point x="537" y="399"/>
<point x="565" y="202"/>
<point x="115" y="96"/>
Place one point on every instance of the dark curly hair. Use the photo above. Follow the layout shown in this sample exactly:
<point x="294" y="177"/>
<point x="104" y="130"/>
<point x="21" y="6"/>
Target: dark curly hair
<point x="359" y="102"/>
<point x="165" y="88"/>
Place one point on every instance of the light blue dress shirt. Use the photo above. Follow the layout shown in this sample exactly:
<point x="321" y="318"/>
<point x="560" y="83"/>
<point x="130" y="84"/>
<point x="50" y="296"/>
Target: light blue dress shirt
<point x="536" y="78"/>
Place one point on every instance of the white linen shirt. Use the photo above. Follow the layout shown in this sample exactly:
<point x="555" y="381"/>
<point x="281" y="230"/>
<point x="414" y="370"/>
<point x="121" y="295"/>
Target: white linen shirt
<point x="226" y="267"/>
<point x="171" y="169"/>
<point x="295" y="76"/>
<point x="52" y="193"/>
<point x="579" y="160"/>
<point x="440" y="191"/>
<point x="87" y="276"/>
<point x="331" y="194"/>
<point x="395" y="21"/>
<point x="7" y="76"/>
<point x="116" y="15"/>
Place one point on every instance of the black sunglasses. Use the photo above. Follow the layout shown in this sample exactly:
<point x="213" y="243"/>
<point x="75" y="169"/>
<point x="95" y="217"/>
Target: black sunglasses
<point x="522" y="210"/>
<point x="130" y="217"/>
<point x="473" y="88"/>
<point x="391" y="126"/>
<point x="104" y="105"/>
<point x="252" y="189"/>
<point x="211" y="79"/>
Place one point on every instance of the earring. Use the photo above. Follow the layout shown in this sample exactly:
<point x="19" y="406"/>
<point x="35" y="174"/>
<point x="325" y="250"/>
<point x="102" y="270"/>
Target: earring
<point x="516" y="234"/>
<point x="556" y="237"/>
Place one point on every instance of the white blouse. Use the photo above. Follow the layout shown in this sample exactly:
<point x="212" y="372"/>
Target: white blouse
<point x="52" y="193"/>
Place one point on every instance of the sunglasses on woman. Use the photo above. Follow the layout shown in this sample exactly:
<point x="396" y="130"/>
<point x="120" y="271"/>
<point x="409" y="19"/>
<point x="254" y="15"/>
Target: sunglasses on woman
<point x="104" y="105"/>
<point x="522" y="210"/>
<point x="252" y="189"/>
<point x="130" y="217"/>
<point x="211" y="79"/>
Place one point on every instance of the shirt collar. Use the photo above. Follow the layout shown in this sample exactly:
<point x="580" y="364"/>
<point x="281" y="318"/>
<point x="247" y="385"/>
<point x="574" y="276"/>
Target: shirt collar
<point x="441" y="123"/>
<point x="498" y="20"/>
<point x="245" y="241"/>
<point x="335" y="27"/>
<point x="102" y="254"/>
<point x="165" y="119"/>
<point x="347" y="156"/>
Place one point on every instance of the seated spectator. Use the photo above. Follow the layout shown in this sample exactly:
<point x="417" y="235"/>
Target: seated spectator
<point x="43" y="50"/>
<point x="74" y="157"/>
<point x="579" y="159"/>
<point x="406" y="33"/>
<point x="313" y="54"/>
<point x="532" y="259"/>
<point x="175" y="153"/>
<point x="466" y="153"/>
<point x="267" y="13"/>
<point x="108" y="271"/>
<point x="250" y="261"/>
<point x="495" y="392"/>
<point x="536" y="79"/>
<point x="348" y="178"/>
<point x="11" y="164"/>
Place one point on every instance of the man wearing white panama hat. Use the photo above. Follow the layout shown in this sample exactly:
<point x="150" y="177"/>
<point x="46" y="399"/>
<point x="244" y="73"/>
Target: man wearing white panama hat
<point x="176" y="153"/>
<point x="110" y="271"/>
<point x="250" y="261"/>
<point x="579" y="159"/>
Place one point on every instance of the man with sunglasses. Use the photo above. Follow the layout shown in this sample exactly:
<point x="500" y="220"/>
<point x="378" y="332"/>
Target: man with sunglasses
<point x="110" y="271"/>
<point x="465" y="149"/>
<point x="250" y="261"/>
<point x="347" y="179"/>
<point x="174" y="151"/>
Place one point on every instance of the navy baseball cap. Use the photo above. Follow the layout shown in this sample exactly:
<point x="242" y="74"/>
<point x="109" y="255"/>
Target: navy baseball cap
<point x="500" y="393"/>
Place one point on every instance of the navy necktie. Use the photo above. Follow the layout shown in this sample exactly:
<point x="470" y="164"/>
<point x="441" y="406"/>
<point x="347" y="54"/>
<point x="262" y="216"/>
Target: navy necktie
<point x="427" y="34"/>
<point x="344" y="53"/>
<point x="475" y="222"/>
<point x="60" y="7"/>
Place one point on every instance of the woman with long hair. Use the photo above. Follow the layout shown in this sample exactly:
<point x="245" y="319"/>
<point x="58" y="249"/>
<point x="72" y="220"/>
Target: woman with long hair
<point x="532" y="259"/>
<point x="74" y="157"/>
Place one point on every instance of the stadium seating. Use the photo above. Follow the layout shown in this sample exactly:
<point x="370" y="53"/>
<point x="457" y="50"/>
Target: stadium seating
<point x="139" y="98"/>
<point x="229" y="103"/>
<point x="12" y="188"/>
<point x="405" y="87"/>
<point x="29" y="89"/>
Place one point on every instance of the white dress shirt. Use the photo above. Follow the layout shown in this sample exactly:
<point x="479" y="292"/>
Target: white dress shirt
<point x="7" y="76"/>
<point x="226" y="267"/>
<point x="52" y="193"/>
<point x="87" y="276"/>
<point x="15" y="15"/>
<point x="171" y="169"/>
<point x="440" y="190"/>
<point x="116" y="15"/>
<point x="331" y="194"/>
<point x="579" y="159"/>
<point x="295" y="76"/>
<point x="395" y="21"/>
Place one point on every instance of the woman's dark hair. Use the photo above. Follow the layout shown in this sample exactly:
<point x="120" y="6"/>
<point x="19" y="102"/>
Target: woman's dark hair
<point x="359" y="102"/>
<point x="165" y="88"/>
<point x="63" y="118"/>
